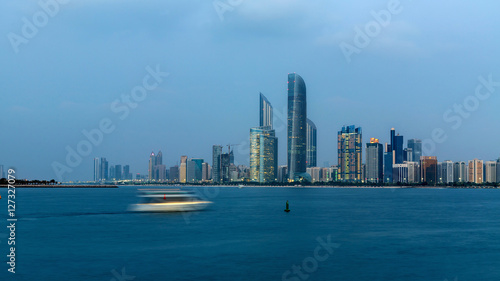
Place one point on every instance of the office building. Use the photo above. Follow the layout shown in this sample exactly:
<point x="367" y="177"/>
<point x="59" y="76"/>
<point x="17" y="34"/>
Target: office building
<point x="447" y="172"/>
<point x="297" y="128"/>
<point x="183" y="169"/>
<point x="311" y="150"/>
<point x="205" y="171"/>
<point x="118" y="172"/>
<point x="400" y="173"/>
<point x="397" y="147"/>
<point x="282" y="173"/>
<point x="104" y="175"/>
<point x="413" y="172"/>
<point x="194" y="170"/>
<point x="96" y="170"/>
<point x="374" y="161"/>
<point x="349" y="153"/>
<point x="490" y="171"/>
<point x="263" y="155"/>
<point x="476" y="171"/>
<point x="416" y="147"/>
<point x="428" y="169"/>
<point x="173" y="175"/>
<point x="388" y="162"/>
<point x="216" y="154"/>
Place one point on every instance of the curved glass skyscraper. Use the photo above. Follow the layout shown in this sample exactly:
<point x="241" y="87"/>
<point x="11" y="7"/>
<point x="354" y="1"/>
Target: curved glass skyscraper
<point x="297" y="127"/>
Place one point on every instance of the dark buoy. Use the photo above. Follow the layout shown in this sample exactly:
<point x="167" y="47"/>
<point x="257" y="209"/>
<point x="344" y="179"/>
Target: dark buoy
<point x="287" y="209"/>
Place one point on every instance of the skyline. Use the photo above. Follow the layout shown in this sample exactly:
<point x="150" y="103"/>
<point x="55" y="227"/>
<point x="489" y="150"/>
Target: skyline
<point x="65" y="79"/>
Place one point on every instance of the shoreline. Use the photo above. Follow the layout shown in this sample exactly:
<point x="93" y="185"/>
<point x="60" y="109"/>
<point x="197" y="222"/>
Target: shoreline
<point x="62" y="186"/>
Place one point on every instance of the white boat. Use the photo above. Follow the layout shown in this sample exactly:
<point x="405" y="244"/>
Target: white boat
<point x="168" y="200"/>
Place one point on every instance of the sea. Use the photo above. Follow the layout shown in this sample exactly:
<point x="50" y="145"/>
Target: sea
<point x="329" y="234"/>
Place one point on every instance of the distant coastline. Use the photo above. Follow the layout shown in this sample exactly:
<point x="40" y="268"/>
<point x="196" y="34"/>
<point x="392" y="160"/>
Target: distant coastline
<point x="63" y="186"/>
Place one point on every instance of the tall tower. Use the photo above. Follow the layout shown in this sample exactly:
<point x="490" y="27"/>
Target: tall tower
<point x="428" y="169"/>
<point x="311" y="144"/>
<point x="266" y="112"/>
<point x="374" y="161"/>
<point x="183" y="169"/>
<point x="152" y="164"/>
<point x="297" y="130"/>
<point x="476" y="171"/>
<point x="103" y="174"/>
<point x="96" y="170"/>
<point x="264" y="146"/>
<point x="349" y="153"/>
<point x="416" y="146"/>
<point x="216" y="153"/>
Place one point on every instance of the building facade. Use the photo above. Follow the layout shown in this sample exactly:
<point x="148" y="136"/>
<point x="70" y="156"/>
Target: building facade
<point x="350" y="153"/>
<point x="374" y="161"/>
<point x="428" y="169"/>
<point x="476" y="171"/>
<point x="263" y="155"/>
<point x="297" y="128"/>
<point x="311" y="156"/>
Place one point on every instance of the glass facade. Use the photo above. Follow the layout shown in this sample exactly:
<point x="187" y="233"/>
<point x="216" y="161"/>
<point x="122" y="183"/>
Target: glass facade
<point x="428" y="169"/>
<point x="216" y="153"/>
<point x="263" y="155"/>
<point x="266" y="112"/>
<point x="297" y="134"/>
<point x="311" y="158"/>
<point x="350" y="153"/>
<point x="416" y="146"/>
<point x="374" y="162"/>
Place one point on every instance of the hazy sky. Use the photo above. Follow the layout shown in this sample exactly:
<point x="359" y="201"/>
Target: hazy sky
<point x="84" y="55"/>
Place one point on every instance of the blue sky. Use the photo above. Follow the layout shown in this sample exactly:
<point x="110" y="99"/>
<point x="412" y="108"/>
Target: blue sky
<point x="64" y="79"/>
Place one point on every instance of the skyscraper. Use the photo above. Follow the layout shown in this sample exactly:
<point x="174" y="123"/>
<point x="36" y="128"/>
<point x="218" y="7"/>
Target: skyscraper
<point x="397" y="147"/>
<point x="447" y="172"/>
<point x="96" y="170"/>
<point x="152" y="164"/>
<point x="349" y="153"/>
<point x="428" y="169"/>
<point x="476" y="171"/>
<point x="183" y="169"/>
<point x="374" y="161"/>
<point x="126" y="172"/>
<point x="311" y="144"/>
<point x="118" y="172"/>
<point x="194" y="170"/>
<point x="174" y="174"/>
<point x="459" y="172"/>
<point x="263" y="154"/>
<point x="297" y="130"/>
<point x="103" y="174"/>
<point x="205" y="171"/>
<point x="216" y="153"/>
<point x="388" y="162"/>
<point x="490" y="171"/>
<point x="416" y="146"/>
<point x="266" y="112"/>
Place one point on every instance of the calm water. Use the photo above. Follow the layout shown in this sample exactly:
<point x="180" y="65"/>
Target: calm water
<point x="382" y="234"/>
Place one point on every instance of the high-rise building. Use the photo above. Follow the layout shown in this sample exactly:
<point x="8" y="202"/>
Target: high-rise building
<point x="263" y="154"/>
<point x="282" y="173"/>
<point x="112" y="172"/>
<point x="152" y="164"/>
<point x="428" y="169"/>
<point x="96" y="170"/>
<point x="225" y="167"/>
<point x="400" y="173"/>
<point x="476" y="171"/>
<point x="397" y="147"/>
<point x="311" y="150"/>
<point x="297" y="130"/>
<point x="205" y="171"/>
<point x="266" y="112"/>
<point x="413" y="172"/>
<point x="388" y="162"/>
<point x="126" y="172"/>
<point x="447" y="171"/>
<point x="459" y="172"/>
<point x="183" y="169"/>
<point x="103" y="175"/>
<point x="349" y="153"/>
<point x="194" y="170"/>
<point x="174" y="174"/>
<point x="374" y="161"/>
<point x="408" y="154"/>
<point x="118" y="172"/>
<point x="490" y="171"/>
<point x="416" y="147"/>
<point x="216" y="168"/>
<point x="498" y="170"/>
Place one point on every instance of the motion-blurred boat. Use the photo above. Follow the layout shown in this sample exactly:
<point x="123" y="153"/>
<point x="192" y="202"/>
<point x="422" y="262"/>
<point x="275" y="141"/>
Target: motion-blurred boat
<point x="168" y="200"/>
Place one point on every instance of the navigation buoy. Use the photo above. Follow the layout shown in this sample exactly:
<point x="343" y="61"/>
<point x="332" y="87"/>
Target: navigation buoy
<point x="287" y="209"/>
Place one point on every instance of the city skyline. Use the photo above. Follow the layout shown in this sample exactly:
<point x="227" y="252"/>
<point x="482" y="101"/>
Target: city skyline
<point x="407" y="77"/>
